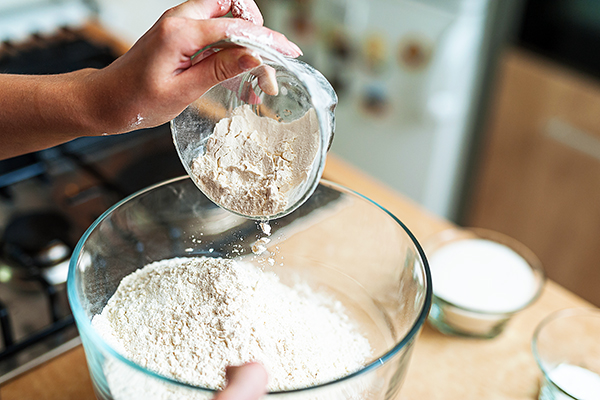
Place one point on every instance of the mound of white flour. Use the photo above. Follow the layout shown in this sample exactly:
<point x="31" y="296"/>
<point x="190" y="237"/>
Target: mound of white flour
<point x="189" y="318"/>
<point x="253" y="164"/>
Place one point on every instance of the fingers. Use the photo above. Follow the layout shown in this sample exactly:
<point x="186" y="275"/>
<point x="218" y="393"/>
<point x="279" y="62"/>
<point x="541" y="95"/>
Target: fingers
<point x="206" y="9"/>
<point x="264" y="36"/>
<point x="267" y="79"/>
<point x="205" y="32"/>
<point x="248" y="382"/>
<point x="220" y="66"/>
<point x="229" y="63"/>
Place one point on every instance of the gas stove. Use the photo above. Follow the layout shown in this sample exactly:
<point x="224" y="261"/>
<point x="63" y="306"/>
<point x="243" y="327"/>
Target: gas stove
<point x="48" y="199"/>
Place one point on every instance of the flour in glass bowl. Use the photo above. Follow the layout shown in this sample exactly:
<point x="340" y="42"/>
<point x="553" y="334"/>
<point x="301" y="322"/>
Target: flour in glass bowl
<point x="189" y="318"/>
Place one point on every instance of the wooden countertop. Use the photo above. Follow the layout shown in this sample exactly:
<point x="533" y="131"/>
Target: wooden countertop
<point x="442" y="367"/>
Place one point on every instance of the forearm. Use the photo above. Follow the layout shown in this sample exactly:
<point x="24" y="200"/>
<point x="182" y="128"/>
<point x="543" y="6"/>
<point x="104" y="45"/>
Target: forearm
<point x="37" y="112"/>
<point x="147" y="86"/>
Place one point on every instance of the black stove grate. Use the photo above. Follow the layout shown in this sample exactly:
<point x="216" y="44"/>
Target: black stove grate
<point x="66" y="51"/>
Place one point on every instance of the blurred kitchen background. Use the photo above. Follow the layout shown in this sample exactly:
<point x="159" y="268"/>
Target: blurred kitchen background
<point x="486" y="112"/>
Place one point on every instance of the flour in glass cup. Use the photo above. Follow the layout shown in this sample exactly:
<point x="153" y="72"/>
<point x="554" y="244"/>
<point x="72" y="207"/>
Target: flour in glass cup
<point x="254" y="165"/>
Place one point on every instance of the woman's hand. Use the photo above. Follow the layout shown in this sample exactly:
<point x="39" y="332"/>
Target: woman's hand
<point x="156" y="79"/>
<point x="147" y="86"/>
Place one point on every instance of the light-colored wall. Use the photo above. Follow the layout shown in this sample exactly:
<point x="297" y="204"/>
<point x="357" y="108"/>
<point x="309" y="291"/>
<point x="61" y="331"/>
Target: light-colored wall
<point x="129" y="19"/>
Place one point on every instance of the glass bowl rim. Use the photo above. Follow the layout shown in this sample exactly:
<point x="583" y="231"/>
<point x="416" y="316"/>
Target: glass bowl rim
<point x="85" y="324"/>
<point x="553" y="316"/>
<point x="532" y="260"/>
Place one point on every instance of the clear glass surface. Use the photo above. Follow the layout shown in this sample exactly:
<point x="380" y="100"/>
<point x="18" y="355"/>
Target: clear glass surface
<point x="338" y="241"/>
<point x="453" y="319"/>
<point x="567" y="337"/>
<point x="301" y="88"/>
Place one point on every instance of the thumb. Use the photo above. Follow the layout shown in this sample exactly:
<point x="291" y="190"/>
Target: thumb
<point x="248" y="382"/>
<point x="223" y="65"/>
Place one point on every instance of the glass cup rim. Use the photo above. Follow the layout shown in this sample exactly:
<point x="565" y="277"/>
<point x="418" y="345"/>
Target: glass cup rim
<point x="555" y="315"/>
<point x="488" y="234"/>
<point x="85" y="324"/>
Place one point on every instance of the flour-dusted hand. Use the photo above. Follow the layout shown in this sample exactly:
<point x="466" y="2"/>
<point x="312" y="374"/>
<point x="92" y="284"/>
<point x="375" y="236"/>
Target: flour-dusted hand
<point x="147" y="86"/>
<point x="247" y="382"/>
<point x="157" y="78"/>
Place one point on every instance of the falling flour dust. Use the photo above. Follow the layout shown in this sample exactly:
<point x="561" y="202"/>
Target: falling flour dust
<point x="254" y="165"/>
<point x="189" y="318"/>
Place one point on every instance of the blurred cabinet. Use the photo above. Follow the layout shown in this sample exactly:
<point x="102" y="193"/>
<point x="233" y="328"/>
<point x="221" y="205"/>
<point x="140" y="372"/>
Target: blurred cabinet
<point x="538" y="178"/>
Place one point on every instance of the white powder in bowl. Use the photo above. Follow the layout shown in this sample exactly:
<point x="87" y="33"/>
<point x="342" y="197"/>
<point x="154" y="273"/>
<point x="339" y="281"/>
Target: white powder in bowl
<point x="189" y="318"/>
<point x="482" y="275"/>
<point x="579" y="382"/>
<point x="254" y="165"/>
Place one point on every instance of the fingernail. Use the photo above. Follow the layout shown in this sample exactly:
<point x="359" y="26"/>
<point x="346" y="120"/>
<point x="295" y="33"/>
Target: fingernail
<point x="296" y="48"/>
<point x="247" y="62"/>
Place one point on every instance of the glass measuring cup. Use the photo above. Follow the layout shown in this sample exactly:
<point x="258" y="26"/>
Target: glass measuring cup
<point x="566" y="348"/>
<point x="301" y="88"/>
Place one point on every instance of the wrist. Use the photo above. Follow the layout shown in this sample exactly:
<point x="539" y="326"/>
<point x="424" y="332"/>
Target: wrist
<point x="85" y="94"/>
<point x="104" y="111"/>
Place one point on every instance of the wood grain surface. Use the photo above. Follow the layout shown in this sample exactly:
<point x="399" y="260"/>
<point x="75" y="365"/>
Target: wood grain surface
<point x="539" y="175"/>
<point x="442" y="367"/>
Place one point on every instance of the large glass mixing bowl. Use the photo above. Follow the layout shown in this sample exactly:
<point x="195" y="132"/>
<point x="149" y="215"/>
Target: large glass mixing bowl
<point x="338" y="241"/>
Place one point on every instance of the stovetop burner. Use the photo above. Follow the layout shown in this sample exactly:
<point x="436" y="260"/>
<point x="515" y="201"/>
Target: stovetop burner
<point x="34" y="316"/>
<point x="37" y="245"/>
